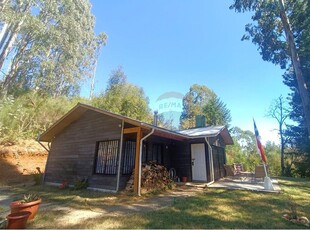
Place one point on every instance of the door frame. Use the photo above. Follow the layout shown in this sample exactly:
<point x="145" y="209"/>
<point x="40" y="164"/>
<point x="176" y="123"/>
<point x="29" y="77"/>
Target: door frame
<point x="204" y="175"/>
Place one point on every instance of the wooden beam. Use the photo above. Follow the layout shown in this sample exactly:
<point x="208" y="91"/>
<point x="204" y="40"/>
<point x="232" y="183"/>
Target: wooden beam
<point x="137" y="160"/>
<point x="131" y="130"/>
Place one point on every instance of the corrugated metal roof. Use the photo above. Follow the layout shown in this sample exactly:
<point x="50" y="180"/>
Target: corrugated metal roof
<point x="203" y="131"/>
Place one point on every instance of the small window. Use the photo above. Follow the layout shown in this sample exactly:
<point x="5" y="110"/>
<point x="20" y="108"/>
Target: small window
<point x="106" y="158"/>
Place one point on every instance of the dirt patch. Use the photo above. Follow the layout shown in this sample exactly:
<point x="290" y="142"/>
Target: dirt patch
<point x="19" y="161"/>
<point x="90" y="210"/>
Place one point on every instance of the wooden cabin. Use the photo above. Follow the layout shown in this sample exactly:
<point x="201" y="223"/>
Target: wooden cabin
<point x="105" y="148"/>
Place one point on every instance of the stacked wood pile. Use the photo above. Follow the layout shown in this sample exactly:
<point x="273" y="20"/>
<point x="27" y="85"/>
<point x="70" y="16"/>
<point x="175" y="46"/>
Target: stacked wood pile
<point x="154" y="177"/>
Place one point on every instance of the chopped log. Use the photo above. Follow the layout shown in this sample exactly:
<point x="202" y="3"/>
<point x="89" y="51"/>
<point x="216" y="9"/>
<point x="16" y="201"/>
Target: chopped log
<point x="154" y="177"/>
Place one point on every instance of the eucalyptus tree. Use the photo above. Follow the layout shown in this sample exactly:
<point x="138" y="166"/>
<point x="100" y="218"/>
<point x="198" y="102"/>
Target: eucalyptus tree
<point x="200" y="100"/>
<point x="279" y="29"/>
<point x="244" y="149"/>
<point x="124" y="98"/>
<point x="279" y="111"/>
<point x="55" y="46"/>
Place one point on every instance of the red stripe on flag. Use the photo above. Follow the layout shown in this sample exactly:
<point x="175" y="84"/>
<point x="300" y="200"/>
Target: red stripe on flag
<point x="259" y="144"/>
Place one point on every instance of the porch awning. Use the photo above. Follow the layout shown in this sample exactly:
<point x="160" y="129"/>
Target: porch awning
<point x="209" y="131"/>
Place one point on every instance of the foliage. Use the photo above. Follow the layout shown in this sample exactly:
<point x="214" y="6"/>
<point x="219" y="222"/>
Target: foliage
<point x="37" y="176"/>
<point x="279" y="111"/>
<point x="48" y="45"/>
<point x="80" y="183"/>
<point x="26" y="115"/>
<point x="282" y="34"/>
<point x="244" y="151"/>
<point x="124" y="98"/>
<point x="298" y="152"/>
<point x="267" y="31"/>
<point x="27" y="198"/>
<point x="32" y="113"/>
<point x="166" y="123"/>
<point x="200" y="100"/>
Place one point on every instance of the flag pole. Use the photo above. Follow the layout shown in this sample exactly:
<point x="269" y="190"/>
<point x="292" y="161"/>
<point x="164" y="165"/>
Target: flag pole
<point x="266" y="175"/>
<point x="267" y="181"/>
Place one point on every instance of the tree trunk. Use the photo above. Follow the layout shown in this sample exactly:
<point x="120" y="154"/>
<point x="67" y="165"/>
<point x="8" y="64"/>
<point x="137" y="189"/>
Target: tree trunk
<point x="9" y="44"/>
<point x="4" y="34"/>
<point x="7" y="82"/>
<point x="282" y="148"/>
<point x="302" y="86"/>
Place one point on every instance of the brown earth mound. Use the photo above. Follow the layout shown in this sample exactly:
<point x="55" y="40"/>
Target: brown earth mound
<point x="18" y="162"/>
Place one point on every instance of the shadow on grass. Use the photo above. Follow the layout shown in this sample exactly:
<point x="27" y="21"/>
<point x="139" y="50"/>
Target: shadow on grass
<point x="215" y="208"/>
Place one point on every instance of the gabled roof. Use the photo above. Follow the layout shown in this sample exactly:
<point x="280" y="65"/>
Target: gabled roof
<point x="76" y="112"/>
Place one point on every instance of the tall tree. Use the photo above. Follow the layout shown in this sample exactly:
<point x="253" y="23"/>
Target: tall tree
<point x="124" y="98"/>
<point x="200" y="100"/>
<point x="54" y="49"/>
<point x="244" y="149"/>
<point x="274" y="20"/>
<point x="279" y="111"/>
<point x="298" y="153"/>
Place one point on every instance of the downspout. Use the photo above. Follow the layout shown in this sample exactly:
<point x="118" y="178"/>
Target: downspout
<point x="140" y="160"/>
<point x="48" y="155"/>
<point x="120" y="158"/>
<point x="211" y="162"/>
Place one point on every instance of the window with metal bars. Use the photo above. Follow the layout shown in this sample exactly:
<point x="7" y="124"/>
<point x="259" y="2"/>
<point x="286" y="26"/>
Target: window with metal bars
<point x="106" y="157"/>
<point x="129" y="156"/>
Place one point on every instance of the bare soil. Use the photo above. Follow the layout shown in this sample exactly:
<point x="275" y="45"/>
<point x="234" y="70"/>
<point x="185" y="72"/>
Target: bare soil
<point x="19" y="161"/>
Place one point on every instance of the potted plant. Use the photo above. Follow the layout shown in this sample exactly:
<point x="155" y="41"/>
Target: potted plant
<point x="18" y="220"/>
<point x="30" y="202"/>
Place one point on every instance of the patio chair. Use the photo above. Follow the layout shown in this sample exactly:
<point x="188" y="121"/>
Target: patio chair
<point x="260" y="171"/>
<point x="238" y="168"/>
<point x="229" y="170"/>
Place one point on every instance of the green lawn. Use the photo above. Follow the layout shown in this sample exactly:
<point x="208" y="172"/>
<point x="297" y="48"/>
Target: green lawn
<point x="214" y="208"/>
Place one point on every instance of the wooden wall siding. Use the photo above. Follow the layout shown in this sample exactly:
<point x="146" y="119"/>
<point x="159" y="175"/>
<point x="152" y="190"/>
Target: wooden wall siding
<point x="218" y="154"/>
<point x="73" y="151"/>
<point x="208" y="163"/>
<point x="217" y="174"/>
<point x="103" y="182"/>
<point x="181" y="159"/>
<point x="167" y="155"/>
<point x="222" y="160"/>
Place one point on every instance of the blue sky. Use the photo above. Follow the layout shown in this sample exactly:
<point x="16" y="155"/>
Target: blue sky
<point x="168" y="45"/>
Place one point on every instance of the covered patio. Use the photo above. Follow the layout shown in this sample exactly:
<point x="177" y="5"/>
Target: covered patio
<point x="245" y="183"/>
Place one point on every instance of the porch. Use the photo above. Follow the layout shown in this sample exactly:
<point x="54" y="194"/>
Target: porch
<point x="245" y="183"/>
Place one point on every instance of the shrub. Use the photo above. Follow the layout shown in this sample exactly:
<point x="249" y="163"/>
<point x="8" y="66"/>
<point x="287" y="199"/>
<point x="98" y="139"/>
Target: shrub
<point x="37" y="176"/>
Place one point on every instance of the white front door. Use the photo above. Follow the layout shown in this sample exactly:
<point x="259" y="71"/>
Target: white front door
<point x="199" y="171"/>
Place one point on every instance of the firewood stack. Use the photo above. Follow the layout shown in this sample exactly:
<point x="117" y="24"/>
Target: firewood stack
<point x="154" y="177"/>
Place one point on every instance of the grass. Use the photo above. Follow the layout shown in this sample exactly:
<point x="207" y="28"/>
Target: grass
<point x="214" y="208"/>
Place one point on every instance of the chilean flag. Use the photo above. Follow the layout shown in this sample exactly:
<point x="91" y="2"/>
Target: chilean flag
<point x="259" y="144"/>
